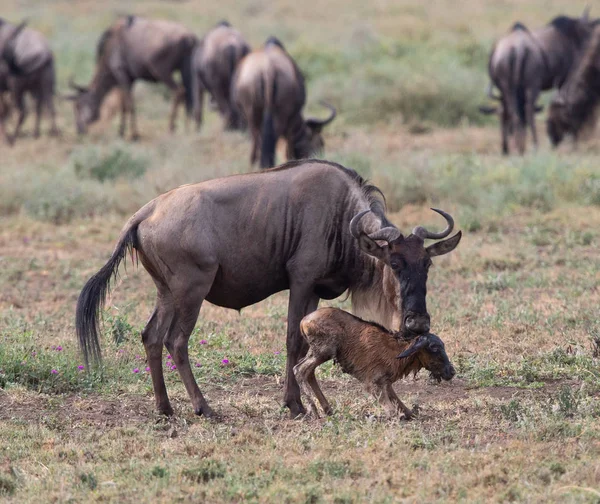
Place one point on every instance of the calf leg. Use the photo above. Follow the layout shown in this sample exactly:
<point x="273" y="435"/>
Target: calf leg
<point x="304" y="372"/>
<point x="178" y="98"/>
<point x="391" y="393"/>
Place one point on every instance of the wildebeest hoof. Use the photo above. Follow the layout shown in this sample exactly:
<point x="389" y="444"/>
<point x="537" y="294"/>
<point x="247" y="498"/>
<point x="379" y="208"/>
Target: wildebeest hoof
<point x="207" y="412"/>
<point x="166" y="410"/>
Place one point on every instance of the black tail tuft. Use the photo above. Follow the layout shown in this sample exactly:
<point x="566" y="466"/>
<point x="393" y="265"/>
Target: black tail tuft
<point x="187" y="75"/>
<point x="93" y="294"/>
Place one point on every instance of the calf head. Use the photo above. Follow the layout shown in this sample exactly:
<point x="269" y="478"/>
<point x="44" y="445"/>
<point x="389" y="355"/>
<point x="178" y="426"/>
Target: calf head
<point x="557" y="123"/>
<point x="410" y="261"/>
<point x="431" y="353"/>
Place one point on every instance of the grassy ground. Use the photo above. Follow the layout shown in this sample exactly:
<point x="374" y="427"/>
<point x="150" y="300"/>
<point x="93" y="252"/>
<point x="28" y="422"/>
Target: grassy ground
<point x="516" y="303"/>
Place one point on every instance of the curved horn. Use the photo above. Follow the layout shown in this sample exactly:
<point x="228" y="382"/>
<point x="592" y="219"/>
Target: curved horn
<point x="354" y="223"/>
<point x="421" y="232"/>
<point x="388" y="234"/>
<point x="320" y="123"/>
<point x="76" y="87"/>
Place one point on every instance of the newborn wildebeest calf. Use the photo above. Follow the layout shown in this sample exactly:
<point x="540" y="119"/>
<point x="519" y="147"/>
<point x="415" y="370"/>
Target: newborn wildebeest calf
<point x="370" y="353"/>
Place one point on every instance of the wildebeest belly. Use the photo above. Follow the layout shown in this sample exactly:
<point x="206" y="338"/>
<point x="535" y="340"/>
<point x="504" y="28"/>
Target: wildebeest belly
<point x="237" y="293"/>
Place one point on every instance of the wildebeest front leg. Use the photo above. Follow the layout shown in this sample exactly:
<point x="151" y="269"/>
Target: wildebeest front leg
<point x="530" y="98"/>
<point x="505" y="127"/>
<point x="302" y="302"/>
<point x="178" y="98"/>
<point x="38" y="116"/>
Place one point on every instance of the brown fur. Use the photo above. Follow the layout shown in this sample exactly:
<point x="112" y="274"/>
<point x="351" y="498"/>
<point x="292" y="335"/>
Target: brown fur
<point x="573" y="109"/>
<point x="365" y="350"/>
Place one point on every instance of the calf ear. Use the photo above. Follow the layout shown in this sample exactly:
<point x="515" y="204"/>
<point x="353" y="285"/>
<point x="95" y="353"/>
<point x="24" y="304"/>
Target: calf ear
<point x="369" y="246"/>
<point x="414" y="348"/>
<point x="445" y="246"/>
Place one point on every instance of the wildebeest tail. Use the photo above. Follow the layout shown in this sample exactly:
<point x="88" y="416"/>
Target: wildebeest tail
<point x="187" y="73"/>
<point x="92" y="296"/>
<point x="519" y="86"/>
<point x="268" y="139"/>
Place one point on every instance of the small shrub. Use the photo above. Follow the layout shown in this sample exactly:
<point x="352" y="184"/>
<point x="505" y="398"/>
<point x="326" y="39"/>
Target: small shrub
<point x="89" y="480"/>
<point x="208" y="470"/>
<point x="119" y="162"/>
<point x="7" y="485"/>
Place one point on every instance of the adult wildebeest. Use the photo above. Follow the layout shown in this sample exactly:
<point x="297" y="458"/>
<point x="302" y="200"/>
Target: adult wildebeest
<point x="574" y="107"/>
<point x="27" y="67"/>
<point x="524" y="63"/>
<point x="214" y="63"/>
<point x="268" y="88"/>
<point x="309" y="226"/>
<point x="136" y="48"/>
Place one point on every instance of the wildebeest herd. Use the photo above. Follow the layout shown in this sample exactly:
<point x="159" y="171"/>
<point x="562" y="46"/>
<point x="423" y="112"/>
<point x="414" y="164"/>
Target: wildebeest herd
<point x="312" y="227"/>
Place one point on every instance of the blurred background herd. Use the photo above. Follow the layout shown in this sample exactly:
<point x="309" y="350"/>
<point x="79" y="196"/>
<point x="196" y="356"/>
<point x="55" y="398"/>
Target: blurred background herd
<point x="408" y="82"/>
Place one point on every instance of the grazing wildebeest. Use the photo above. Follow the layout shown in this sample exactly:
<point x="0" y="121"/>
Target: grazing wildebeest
<point x="268" y="88"/>
<point x="368" y="351"/>
<point x="524" y="63"/>
<point x="28" y="67"/>
<point x="136" y="48"/>
<point x="214" y="63"/>
<point x="574" y="106"/>
<point x="309" y="226"/>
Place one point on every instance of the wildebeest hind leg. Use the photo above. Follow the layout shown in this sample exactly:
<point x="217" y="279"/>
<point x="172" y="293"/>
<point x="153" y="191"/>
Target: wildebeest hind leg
<point x="38" y="116"/>
<point x="152" y="337"/>
<point x="302" y="302"/>
<point x="20" y="103"/>
<point x="530" y="114"/>
<point x="188" y="294"/>
<point x="178" y="98"/>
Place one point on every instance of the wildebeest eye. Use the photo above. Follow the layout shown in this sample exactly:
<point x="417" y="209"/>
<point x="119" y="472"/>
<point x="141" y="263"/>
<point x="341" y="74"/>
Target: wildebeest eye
<point x="394" y="265"/>
<point x="434" y="349"/>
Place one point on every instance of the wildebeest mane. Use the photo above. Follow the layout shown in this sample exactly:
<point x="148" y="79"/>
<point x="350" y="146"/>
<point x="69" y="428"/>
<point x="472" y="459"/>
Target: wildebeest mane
<point x="519" y="26"/>
<point x="106" y="34"/>
<point x="568" y="27"/>
<point x="372" y="192"/>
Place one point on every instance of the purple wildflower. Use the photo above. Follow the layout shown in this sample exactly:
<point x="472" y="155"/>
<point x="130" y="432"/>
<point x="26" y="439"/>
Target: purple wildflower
<point x="34" y="353"/>
<point x="120" y="350"/>
<point x="225" y="361"/>
<point x="138" y="357"/>
<point x="81" y="367"/>
<point x="58" y="348"/>
<point x="54" y="371"/>
<point x="198" y="364"/>
<point x="277" y="352"/>
<point x="136" y="370"/>
<point x="147" y="369"/>
<point x="169" y="357"/>
<point x="203" y="342"/>
<point x="173" y="367"/>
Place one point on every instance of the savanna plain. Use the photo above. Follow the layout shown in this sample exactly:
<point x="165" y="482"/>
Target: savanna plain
<point x="516" y="303"/>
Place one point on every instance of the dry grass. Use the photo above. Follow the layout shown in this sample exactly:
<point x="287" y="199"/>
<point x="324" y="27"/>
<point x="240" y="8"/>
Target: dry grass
<point x="516" y="303"/>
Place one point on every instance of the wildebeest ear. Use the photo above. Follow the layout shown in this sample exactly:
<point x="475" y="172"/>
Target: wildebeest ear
<point x="488" y="110"/>
<point x="369" y="246"/>
<point x="445" y="246"/>
<point x="418" y="345"/>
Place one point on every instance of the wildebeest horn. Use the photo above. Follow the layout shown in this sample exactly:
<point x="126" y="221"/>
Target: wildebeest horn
<point x="421" y="232"/>
<point x="76" y="87"/>
<point x="355" y="223"/>
<point x="388" y="233"/>
<point x="586" y="13"/>
<point x="320" y="123"/>
<point x="490" y="92"/>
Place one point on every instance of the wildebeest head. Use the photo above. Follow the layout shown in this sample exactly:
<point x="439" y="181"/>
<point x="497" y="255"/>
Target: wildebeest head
<point x="409" y="260"/>
<point x="557" y="124"/>
<point x="431" y="352"/>
<point x="311" y="142"/>
<point x="86" y="107"/>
